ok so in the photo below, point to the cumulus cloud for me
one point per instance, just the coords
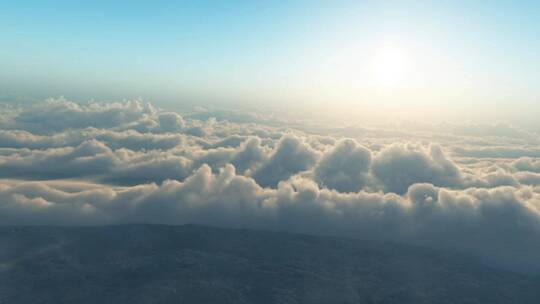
(400, 166)
(344, 168)
(129, 139)
(497, 224)
(527, 164)
(170, 122)
(111, 163)
(90, 157)
(291, 156)
(61, 114)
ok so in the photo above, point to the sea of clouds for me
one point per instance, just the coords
(469, 188)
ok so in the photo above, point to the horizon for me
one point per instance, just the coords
(453, 62)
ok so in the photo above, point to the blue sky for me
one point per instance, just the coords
(271, 52)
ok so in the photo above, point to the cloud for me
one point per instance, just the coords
(170, 122)
(528, 178)
(344, 168)
(496, 224)
(60, 114)
(497, 152)
(63, 163)
(89, 158)
(129, 139)
(291, 156)
(482, 130)
(399, 166)
(527, 164)
(150, 169)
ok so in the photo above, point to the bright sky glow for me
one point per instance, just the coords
(404, 56)
(391, 66)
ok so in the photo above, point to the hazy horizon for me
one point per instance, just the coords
(458, 61)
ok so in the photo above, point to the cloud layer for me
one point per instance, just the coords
(102, 163)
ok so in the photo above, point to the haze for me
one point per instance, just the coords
(458, 61)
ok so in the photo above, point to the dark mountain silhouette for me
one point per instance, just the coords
(197, 264)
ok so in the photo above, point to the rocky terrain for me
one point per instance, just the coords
(196, 264)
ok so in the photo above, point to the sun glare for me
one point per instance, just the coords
(390, 66)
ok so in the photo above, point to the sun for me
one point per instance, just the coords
(390, 66)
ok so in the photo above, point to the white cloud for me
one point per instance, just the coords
(291, 156)
(479, 221)
(400, 166)
(527, 164)
(344, 168)
(498, 152)
(70, 164)
(60, 114)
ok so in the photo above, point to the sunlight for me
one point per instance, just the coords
(391, 66)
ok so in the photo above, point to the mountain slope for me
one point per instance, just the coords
(195, 264)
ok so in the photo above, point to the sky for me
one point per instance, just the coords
(415, 59)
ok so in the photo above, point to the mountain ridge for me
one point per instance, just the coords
(143, 263)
